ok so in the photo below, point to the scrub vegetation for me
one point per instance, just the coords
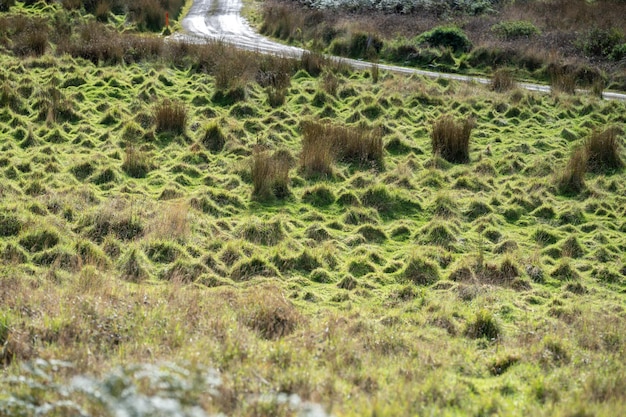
(581, 41)
(194, 230)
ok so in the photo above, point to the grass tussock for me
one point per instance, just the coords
(603, 151)
(170, 116)
(502, 80)
(324, 143)
(572, 179)
(450, 138)
(270, 175)
(267, 311)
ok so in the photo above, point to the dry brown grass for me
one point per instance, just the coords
(269, 313)
(450, 138)
(170, 116)
(324, 143)
(572, 179)
(270, 175)
(502, 80)
(603, 151)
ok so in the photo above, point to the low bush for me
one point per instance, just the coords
(446, 37)
(514, 29)
(40, 240)
(450, 139)
(358, 45)
(598, 42)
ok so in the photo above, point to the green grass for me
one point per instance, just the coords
(382, 281)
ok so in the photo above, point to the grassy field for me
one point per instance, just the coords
(194, 230)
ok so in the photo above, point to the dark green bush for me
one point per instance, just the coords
(600, 42)
(514, 29)
(446, 37)
(360, 45)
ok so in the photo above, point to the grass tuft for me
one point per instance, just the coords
(170, 116)
(603, 151)
(450, 139)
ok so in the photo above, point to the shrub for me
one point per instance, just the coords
(600, 42)
(359, 45)
(572, 179)
(446, 37)
(170, 116)
(450, 139)
(270, 175)
(603, 151)
(514, 29)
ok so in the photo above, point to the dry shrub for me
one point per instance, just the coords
(313, 63)
(324, 143)
(572, 180)
(170, 116)
(270, 175)
(450, 139)
(502, 81)
(269, 313)
(603, 151)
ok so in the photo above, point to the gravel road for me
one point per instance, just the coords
(222, 20)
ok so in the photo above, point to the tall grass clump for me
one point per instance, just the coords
(502, 80)
(170, 116)
(450, 138)
(572, 179)
(603, 151)
(136, 162)
(270, 175)
(324, 143)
